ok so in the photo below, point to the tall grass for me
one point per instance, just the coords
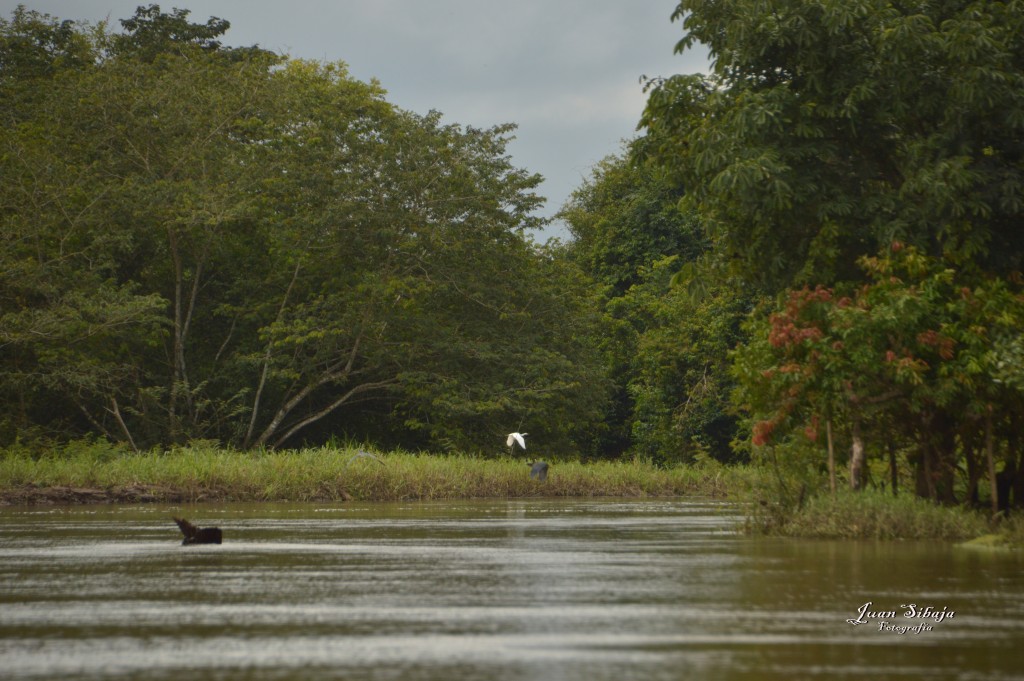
(869, 514)
(207, 472)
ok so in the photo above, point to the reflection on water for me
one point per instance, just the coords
(487, 590)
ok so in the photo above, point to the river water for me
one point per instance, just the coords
(497, 590)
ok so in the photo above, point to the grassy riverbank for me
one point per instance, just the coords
(873, 514)
(98, 472)
(869, 515)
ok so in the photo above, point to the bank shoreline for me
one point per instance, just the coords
(194, 474)
(63, 495)
(99, 473)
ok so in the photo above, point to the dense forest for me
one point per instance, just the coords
(809, 257)
(203, 242)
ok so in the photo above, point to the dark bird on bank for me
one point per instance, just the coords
(198, 535)
(363, 454)
(538, 470)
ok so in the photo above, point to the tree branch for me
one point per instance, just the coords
(316, 416)
(266, 360)
(124, 427)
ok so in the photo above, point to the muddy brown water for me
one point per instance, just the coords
(498, 590)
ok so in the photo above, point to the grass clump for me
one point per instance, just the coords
(869, 514)
(1010, 532)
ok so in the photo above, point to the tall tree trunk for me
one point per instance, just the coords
(975, 469)
(893, 472)
(177, 349)
(831, 457)
(990, 456)
(857, 456)
(1010, 480)
(1016, 464)
(116, 411)
(945, 464)
(183, 312)
(929, 476)
(266, 362)
(924, 478)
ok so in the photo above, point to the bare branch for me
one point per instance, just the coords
(266, 359)
(316, 416)
(124, 427)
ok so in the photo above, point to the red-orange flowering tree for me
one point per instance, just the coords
(911, 359)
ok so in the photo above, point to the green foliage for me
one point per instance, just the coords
(34, 47)
(204, 242)
(666, 351)
(906, 359)
(680, 383)
(826, 133)
(870, 515)
(151, 33)
(624, 219)
(826, 130)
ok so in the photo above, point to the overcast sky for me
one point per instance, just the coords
(567, 72)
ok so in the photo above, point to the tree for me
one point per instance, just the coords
(203, 242)
(826, 130)
(906, 359)
(36, 46)
(625, 218)
(665, 351)
(622, 221)
(413, 279)
(70, 330)
(151, 33)
(680, 381)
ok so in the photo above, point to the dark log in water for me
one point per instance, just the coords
(198, 535)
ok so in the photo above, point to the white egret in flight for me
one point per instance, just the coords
(513, 438)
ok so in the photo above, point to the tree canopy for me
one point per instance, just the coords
(827, 129)
(861, 162)
(666, 351)
(209, 242)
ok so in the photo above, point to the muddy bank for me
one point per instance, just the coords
(31, 495)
